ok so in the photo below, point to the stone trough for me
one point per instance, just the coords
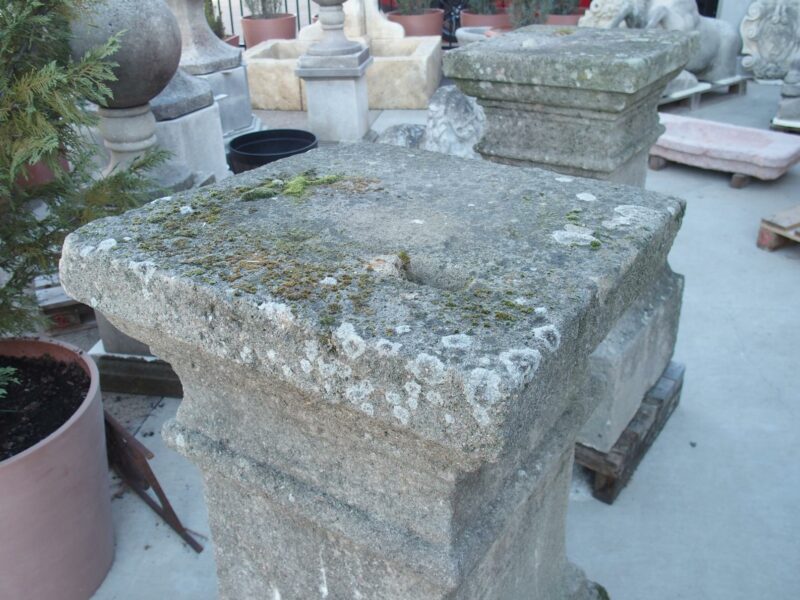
(743, 151)
(404, 74)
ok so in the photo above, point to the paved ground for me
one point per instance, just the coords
(712, 512)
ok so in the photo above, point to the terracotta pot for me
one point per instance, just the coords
(39, 174)
(429, 23)
(233, 40)
(277, 27)
(571, 20)
(501, 20)
(57, 539)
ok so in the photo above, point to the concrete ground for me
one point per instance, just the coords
(712, 511)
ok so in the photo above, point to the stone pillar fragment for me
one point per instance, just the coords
(577, 101)
(384, 380)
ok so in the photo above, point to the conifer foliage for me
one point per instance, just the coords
(44, 120)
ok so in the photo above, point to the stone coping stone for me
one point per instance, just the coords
(602, 60)
(440, 297)
(728, 148)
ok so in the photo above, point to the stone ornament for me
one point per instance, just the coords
(718, 42)
(203, 52)
(771, 35)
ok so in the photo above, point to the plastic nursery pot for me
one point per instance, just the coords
(274, 27)
(56, 536)
(428, 23)
(252, 150)
(501, 20)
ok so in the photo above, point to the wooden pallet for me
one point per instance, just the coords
(62, 311)
(779, 230)
(614, 469)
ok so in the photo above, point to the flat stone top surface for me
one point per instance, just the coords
(609, 60)
(424, 290)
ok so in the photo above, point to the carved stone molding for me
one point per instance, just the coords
(771, 37)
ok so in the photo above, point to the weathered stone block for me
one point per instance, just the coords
(384, 374)
(630, 360)
(578, 101)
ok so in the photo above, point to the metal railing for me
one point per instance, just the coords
(232, 11)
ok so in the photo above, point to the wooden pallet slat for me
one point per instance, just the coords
(614, 469)
(780, 229)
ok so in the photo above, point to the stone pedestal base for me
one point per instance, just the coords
(630, 360)
(196, 139)
(232, 94)
(336, 93)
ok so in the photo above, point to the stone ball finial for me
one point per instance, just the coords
(150, 47)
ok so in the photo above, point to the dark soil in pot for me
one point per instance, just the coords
(45, 395)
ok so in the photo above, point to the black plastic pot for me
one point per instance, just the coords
(261, 147)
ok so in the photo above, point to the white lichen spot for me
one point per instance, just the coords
(564, 179)
(401, 329)
(521, 363)
(413, 390)
(305, 365)
(387, 348)
(86, 251)
(323, 584)
(434, 397)
(276, 593)
(106, 244)
(162, 199)
(548, 335)
(272, 356)
(312, 349)
(586, 197)
(574, 238)
(427, 368)
(630, 214)
(186, 210)
(417, 221)
(448, 418)
(351, 343)
(484, 361)
(328, 281)
(393, 398)
(481, 415)
(287, 371)
(277, 312)
(127, 238)
(521, 301)
(367, 409)
(145, 269)
(93, 302)
(540, 310)
(401, 414)
(471, 205)
(246, 353)
(359, 392)
(459, 341)
(388, 265)
(483, 385)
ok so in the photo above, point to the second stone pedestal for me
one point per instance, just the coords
(336, 93)
(574, 100)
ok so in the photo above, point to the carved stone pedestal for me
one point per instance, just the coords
(384, 379)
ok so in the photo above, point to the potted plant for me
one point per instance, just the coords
(214, 20)
(266, 22)
(564, 12)
(486, 13)
(55, 515)
(418, 18)
(529, 12)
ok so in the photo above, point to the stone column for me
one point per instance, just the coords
(336, 87)
(384, 381)
(577, 101)
(206, 56)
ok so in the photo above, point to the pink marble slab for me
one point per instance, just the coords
(729, 148)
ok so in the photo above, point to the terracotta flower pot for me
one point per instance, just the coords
(571, 20)
(39, 173)
(56, 536)
(429, 23)
(501, 20)
(275, 27)
(233, 40)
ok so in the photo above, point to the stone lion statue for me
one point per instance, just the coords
(718, 42)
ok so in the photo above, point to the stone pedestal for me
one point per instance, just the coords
(219, 64)
(383, 381)
(577, 101)
(336, 95)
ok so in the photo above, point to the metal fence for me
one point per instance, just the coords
(232, 11)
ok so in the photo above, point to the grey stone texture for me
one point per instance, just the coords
(575, 100)
(630, 360)
(233, 92)
(183, 95)
(150, 47)
(407, 135)
(385, 372)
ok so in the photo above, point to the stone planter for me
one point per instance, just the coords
(261, 29)
(55, 508)
(571, 20)
(496, 21)
(429, 23)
